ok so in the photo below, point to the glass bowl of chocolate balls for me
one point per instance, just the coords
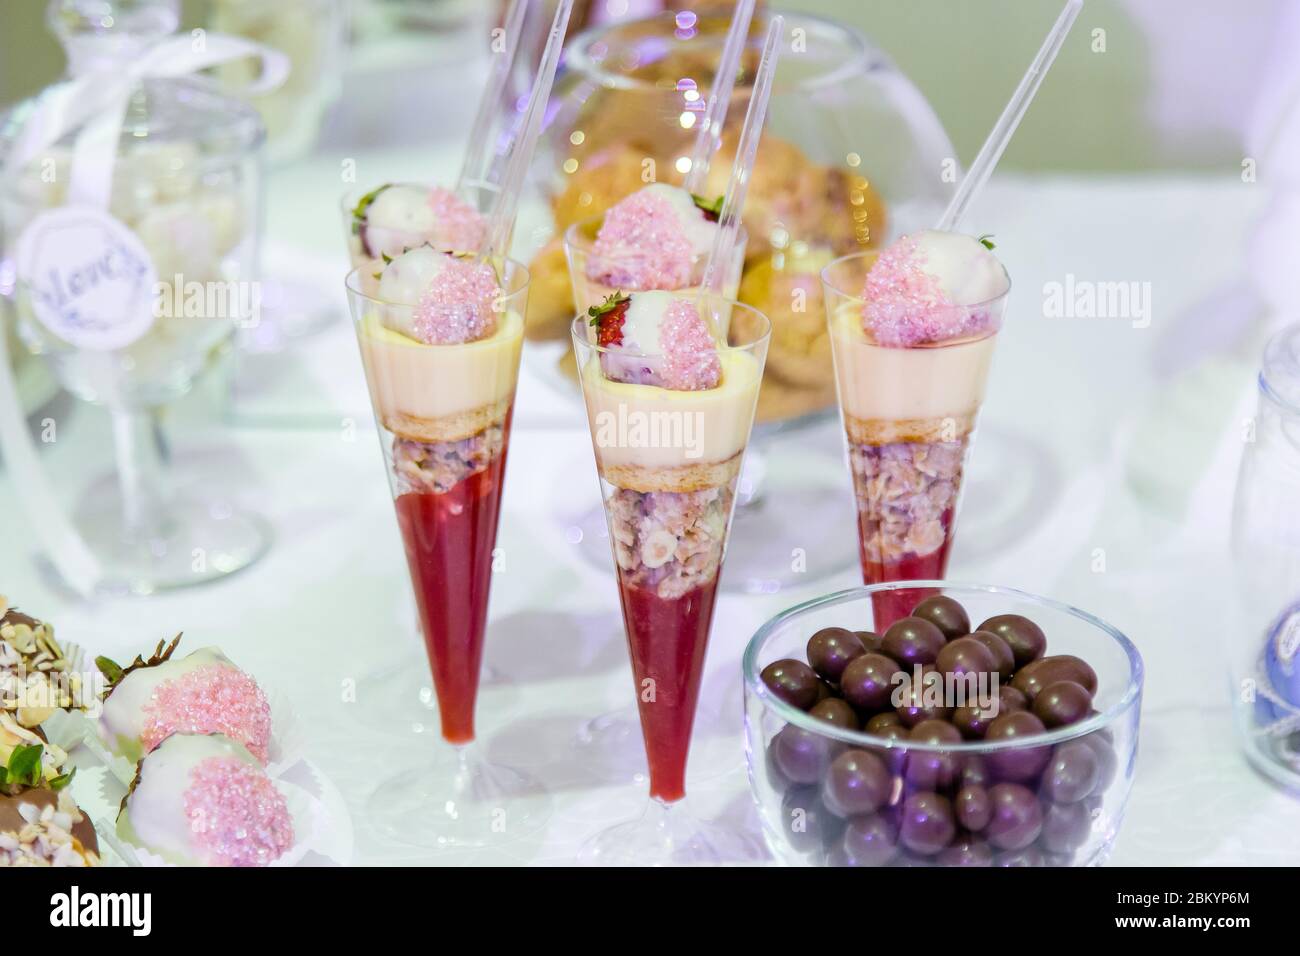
(991, 727)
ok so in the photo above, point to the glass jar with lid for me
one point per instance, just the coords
(1265, 658)
(185, 184)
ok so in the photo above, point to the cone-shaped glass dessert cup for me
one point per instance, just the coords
(669, 462)
(400, 695)
(597, 275)
(909, 420)
(602, 741)
(443, 414)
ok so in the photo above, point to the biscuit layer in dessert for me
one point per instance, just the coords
(683, 478)
(888, 431)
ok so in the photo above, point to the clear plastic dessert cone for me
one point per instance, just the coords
(443, 413)
(669, 462)
(909, 415)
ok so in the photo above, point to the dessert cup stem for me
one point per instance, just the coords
(141, 474)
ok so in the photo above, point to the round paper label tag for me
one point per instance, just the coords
(90, 280)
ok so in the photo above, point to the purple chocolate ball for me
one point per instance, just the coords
(1017, 817)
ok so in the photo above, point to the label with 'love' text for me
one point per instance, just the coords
(89, 279)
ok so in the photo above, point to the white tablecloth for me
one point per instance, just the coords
(1096, 435)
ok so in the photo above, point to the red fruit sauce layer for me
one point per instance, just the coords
(449, 537)
(667, 638)
(890, 606)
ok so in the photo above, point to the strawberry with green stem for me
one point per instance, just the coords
(608, 318)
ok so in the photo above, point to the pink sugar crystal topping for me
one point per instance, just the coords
(458, 305)
(237, 816)
(906, 305)
(690, 354)
(213, 699)
(641, 245)
(460, 226)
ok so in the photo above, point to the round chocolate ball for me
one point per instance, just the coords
(923, 699)
(927, 824)
(870, 639)
(1025, 638)
(868, 681)
(836, 712)
(1107, 761)
(1029, 856)
(945, 614)
(869, 841)
(974, 807)
(857, 782)
(1072, 773)
(1021, 763)
(931, 770)
(1062, 703)
(1011, 700)
(965, 656)
(792, 681)
(974, 772)
(971, 721)
(966, 850)
(831, 649)
(912, 641)
(801, 755)
(1036, 675)
(1003, 659)
(1065, 827)
(806, 823)
(1017, 818)
(887, 725)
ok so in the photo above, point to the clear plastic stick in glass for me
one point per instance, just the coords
(912, 333)
(670, 402)
(440, 339)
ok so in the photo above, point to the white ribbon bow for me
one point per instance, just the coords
(95, 102)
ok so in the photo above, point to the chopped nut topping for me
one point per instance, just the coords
(667, 541)
(440, 466)
(905, 494)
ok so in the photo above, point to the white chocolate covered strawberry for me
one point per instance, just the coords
(931, 287)
(397, 217)
(451, 299)
(656, 338)
(653, 239)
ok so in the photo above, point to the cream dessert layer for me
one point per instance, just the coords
(648, 438)
(923, 393)
(439, 393)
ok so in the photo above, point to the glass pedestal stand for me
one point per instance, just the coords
(149, 538)
(459, 800)
(667, 835)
